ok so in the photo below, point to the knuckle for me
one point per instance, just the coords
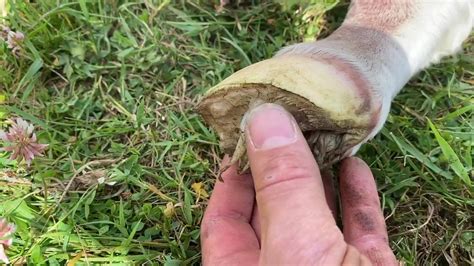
(367, 221)
(206, 228)
(375, 247)
(213, 221)
(358, 196)
(380, 255)
(209, 224)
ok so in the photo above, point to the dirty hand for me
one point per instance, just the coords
(281, 214)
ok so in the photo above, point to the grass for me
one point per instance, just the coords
(111, 87)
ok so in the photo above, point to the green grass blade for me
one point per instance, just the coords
(83, 5)
(29, 77)
(406, 147)
(236, 46)
(453, 158)
(459, 112)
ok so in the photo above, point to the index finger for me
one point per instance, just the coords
(226, 233)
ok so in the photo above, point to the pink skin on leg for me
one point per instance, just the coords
(375, 47)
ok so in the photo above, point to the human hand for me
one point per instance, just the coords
(281, 214)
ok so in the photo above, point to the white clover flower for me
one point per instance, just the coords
(21, 141)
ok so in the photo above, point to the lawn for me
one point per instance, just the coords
(111, 86)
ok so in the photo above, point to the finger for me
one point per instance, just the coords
(363, 220)
(364, 261)
(256, 222)
(330, 191)
(287, 181)
(226, 234)
(354, 257)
